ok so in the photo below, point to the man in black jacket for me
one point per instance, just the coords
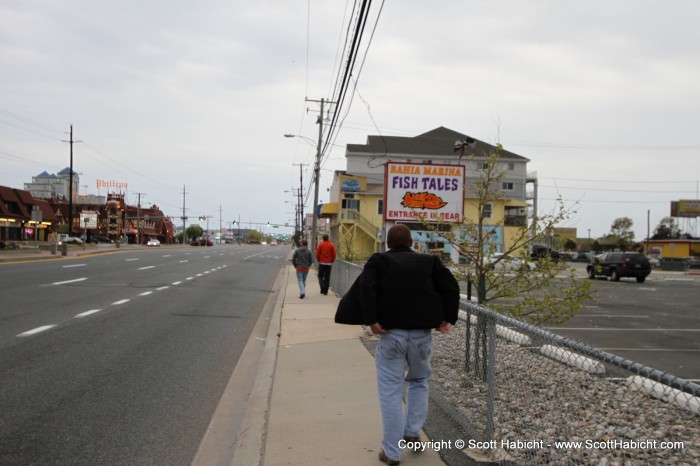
(403, 296)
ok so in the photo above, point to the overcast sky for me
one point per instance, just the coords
(602, 96)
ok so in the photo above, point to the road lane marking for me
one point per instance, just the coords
(189, 278)
(34, 331)
(133, 259)
(168, 255)
(145, 293)
(182, 262)
(122, 301)
(73, 265)
(87, 313)
(176, 283)
(612, 315)
(246, 258)
(70, 281)
(162, 288)
(147, 267)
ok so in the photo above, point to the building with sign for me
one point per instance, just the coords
(427, 174)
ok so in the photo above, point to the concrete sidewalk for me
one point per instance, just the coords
(324, 407)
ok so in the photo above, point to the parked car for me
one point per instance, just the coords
(153, 243)
(72, 240)
(617, 265)
(541, 252)
(201, 242)
(502, 261)
(100, 239)
(584, 256)
(693, 262)
(654, 262)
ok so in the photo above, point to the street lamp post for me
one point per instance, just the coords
(317, 172)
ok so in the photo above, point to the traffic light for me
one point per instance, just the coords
(234, 222)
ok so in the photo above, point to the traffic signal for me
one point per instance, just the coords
(234, 222)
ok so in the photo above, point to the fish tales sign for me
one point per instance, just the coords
(423, 192)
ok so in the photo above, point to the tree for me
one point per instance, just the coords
(621, 231)
(667, 229)
(254, 237)
(541, 291)
(194, 232)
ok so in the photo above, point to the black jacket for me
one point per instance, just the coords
(406, 290)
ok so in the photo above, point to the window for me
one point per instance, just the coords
(507, 185)
(487, 210)
(509, 166)
(380, 206)
(351, 204)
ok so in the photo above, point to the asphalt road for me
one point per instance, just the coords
(122, 358)
(656, 323)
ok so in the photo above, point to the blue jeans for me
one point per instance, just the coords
(301, 279)
(397, 351)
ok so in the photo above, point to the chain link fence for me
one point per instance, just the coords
(521, 394)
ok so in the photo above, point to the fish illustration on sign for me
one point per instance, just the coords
(424, 200)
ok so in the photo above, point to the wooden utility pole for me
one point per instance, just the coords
(70, 184)
(184, 217)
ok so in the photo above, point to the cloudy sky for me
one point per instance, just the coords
(602, 96)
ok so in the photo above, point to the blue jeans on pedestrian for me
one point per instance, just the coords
(301, 279)
(402, 355)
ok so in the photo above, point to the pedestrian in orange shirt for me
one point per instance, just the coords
(325, 255)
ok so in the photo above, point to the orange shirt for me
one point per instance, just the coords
(325, 252)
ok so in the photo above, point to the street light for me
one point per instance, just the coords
(317, 172)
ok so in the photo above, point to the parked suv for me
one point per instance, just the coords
(620, 264)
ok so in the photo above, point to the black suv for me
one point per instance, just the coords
(620, 264)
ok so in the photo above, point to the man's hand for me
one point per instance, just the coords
(445, 327)
(377, 328)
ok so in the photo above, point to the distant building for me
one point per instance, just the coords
(50, 186)
(357, 194)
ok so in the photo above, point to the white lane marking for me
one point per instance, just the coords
(122, 301)
(631, 329)
(199, 275)
(189, 278)
(168, 255)
(73, 265)
(612, 315)
(176, 283)
(184, 261)
(145, 293)
(133, 259)
(246, 258)
(162, 288)
(70, 281)
(147, 267)
(87, 313)
(34, 331)
(206, 257)
(659, 350)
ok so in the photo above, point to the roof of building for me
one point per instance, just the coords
(439, 141)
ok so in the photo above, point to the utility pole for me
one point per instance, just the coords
(184, 217)
(300, 199)
(138, 218)
(70, 184)
(220, 232)
(317, 171)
